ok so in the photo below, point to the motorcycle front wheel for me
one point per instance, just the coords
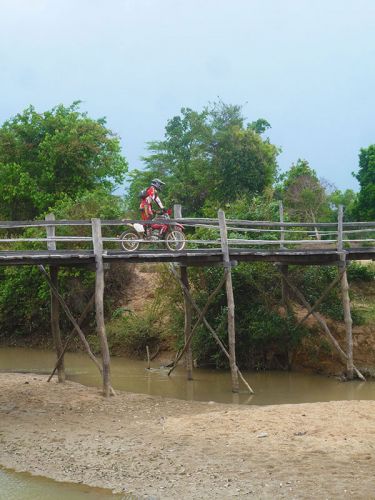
(175, 240)
(127, 241)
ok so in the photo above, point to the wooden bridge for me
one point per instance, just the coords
(95, 243)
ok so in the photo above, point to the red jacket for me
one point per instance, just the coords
(152, 195)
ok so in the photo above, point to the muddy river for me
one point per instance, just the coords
(132, 376)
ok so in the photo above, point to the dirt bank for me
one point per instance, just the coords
(163, 448)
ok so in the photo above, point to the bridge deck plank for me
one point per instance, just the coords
(187, 257)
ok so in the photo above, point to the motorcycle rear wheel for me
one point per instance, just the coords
(175, 240)
(127, 241)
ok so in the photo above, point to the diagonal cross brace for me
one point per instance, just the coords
(208, 326)
(322, 323)
(200, 319)
(75, 324)
(322, 297)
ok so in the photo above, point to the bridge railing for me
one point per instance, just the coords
(200, 233)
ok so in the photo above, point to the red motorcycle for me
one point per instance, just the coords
(171, 234)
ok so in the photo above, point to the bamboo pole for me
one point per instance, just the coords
(345, 296)
(55, 306)
(99, 303)
(187, 309)
(230, 302)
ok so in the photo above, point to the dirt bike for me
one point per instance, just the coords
(171, 234)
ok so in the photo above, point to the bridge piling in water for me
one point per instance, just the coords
(99, 303)
(55, 305)
(230, 301)
(187, 308)
(345, 295)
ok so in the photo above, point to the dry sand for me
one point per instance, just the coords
(170, 449)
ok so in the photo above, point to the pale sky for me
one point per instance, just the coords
(307, 66)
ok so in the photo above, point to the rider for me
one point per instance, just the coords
(151, 195)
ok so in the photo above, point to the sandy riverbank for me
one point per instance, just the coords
(170, 449)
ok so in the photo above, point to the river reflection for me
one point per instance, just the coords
(208, 385)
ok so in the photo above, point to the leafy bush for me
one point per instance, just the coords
(261, 328)
(358, 272)
(131, 333)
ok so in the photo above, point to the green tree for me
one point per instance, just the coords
(45, 157)
(365, 209)
(208, 159)
(304, 195)
(347, 199)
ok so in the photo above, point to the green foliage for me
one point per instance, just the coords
(160, 322)
(19, 315)
(131, 333)
(303, 194)
(207, 159)
(46, 157)
(313, 280)
(259, 207)
(359, 273)
(365, 208)
(261, 329)
(347, 199)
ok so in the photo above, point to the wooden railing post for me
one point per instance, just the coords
(340, 225)
(345, 295)
(282, 229)
(55, 306)
(99, 303)
(230, 301)
(177, 212)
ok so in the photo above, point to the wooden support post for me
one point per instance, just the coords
(187, 309)
(99, 303)
(345, 296)
(230, 301)
(55, 306)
